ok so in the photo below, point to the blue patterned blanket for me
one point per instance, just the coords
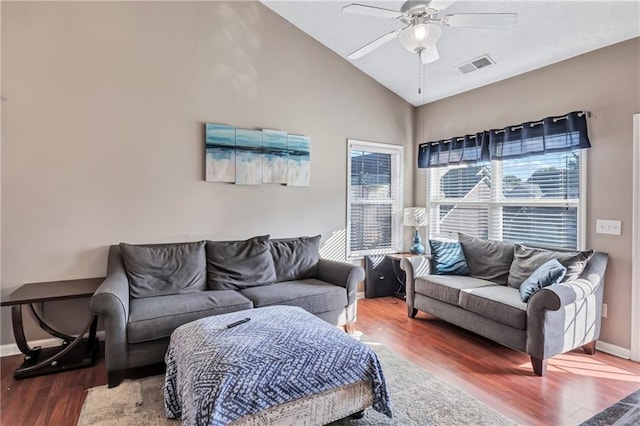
(216, 375)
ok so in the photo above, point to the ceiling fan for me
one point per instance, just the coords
(425, 19)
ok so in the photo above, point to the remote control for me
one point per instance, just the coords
(242, 321)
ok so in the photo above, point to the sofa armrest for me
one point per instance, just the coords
(565, 316)
(111, 302)
(413, 267)
(345, 275)
(556, 296)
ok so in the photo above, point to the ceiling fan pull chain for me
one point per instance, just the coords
(420, 79)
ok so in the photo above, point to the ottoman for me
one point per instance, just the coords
(283, 366)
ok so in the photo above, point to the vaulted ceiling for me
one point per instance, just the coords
(546, 32)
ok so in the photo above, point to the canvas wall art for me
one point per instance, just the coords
(220, 147)
(275, 153)
(298, 161)
(254, 157)
(248, 157)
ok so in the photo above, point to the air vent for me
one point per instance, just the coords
(475, 64)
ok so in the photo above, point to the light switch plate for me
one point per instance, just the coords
(611, 227)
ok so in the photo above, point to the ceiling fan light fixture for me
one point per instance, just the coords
(419, 37)
(420, 32)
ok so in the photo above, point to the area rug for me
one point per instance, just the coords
(625, 412)
(418, 398)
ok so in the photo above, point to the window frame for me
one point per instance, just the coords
(397, 203)
(495, 204)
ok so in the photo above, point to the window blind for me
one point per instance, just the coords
(532, 200)
(375, 199)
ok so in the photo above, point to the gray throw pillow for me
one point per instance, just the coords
(162, 269)
(488, 260)
(235, 265)
(527, 259)
(296, 258)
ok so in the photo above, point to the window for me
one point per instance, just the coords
(533, 200)
(374, 206)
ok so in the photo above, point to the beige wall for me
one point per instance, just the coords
(102, 135)
(605, 82)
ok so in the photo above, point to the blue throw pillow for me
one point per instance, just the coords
(549, 273)
(447, 258)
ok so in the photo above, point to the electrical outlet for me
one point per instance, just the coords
(604, 310)
(611, 227)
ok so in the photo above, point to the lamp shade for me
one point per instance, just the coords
(415, 216)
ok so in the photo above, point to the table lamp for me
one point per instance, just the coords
(416, 217)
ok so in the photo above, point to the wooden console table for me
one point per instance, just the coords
(75, 351)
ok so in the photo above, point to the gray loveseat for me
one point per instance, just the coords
(150, 290)
(487, 301)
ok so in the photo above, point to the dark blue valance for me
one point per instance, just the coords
(552, 134)
(465, 149)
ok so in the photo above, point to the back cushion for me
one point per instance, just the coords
(527, 259)
(235, 265)
(296, 258)
(162, 269)
(488, 260)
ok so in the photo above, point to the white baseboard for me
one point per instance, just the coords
(12, 349)
(613, 349)
(360, 295)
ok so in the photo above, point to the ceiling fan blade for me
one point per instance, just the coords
(441, 4)
(357, 54)
(481, 20)
(429, 55)
(361, 9)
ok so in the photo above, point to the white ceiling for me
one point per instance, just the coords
(547, 32)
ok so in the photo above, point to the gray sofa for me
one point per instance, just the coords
(150, 290)
(556, 319)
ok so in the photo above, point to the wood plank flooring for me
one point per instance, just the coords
(576, 387)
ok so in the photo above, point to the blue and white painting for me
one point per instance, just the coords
(298, 164)
(220, 146)
(274, 157)
(248, 157)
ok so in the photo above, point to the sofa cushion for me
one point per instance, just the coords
(499, 303)
(154, 318)
(162, 269)
(527, 259)
(446, 288)
(447, 258)
(312, 295)
(487, 259)
(234, 265)
(295, 258)
(549, 273)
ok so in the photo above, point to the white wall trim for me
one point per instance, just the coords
(582, 207)
(397, 195)
(613, 349)
(360, 295)
(12, 349)
(635, 250)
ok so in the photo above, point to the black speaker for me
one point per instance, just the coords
(383, 276)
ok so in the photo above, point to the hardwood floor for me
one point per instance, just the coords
(576, 387)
